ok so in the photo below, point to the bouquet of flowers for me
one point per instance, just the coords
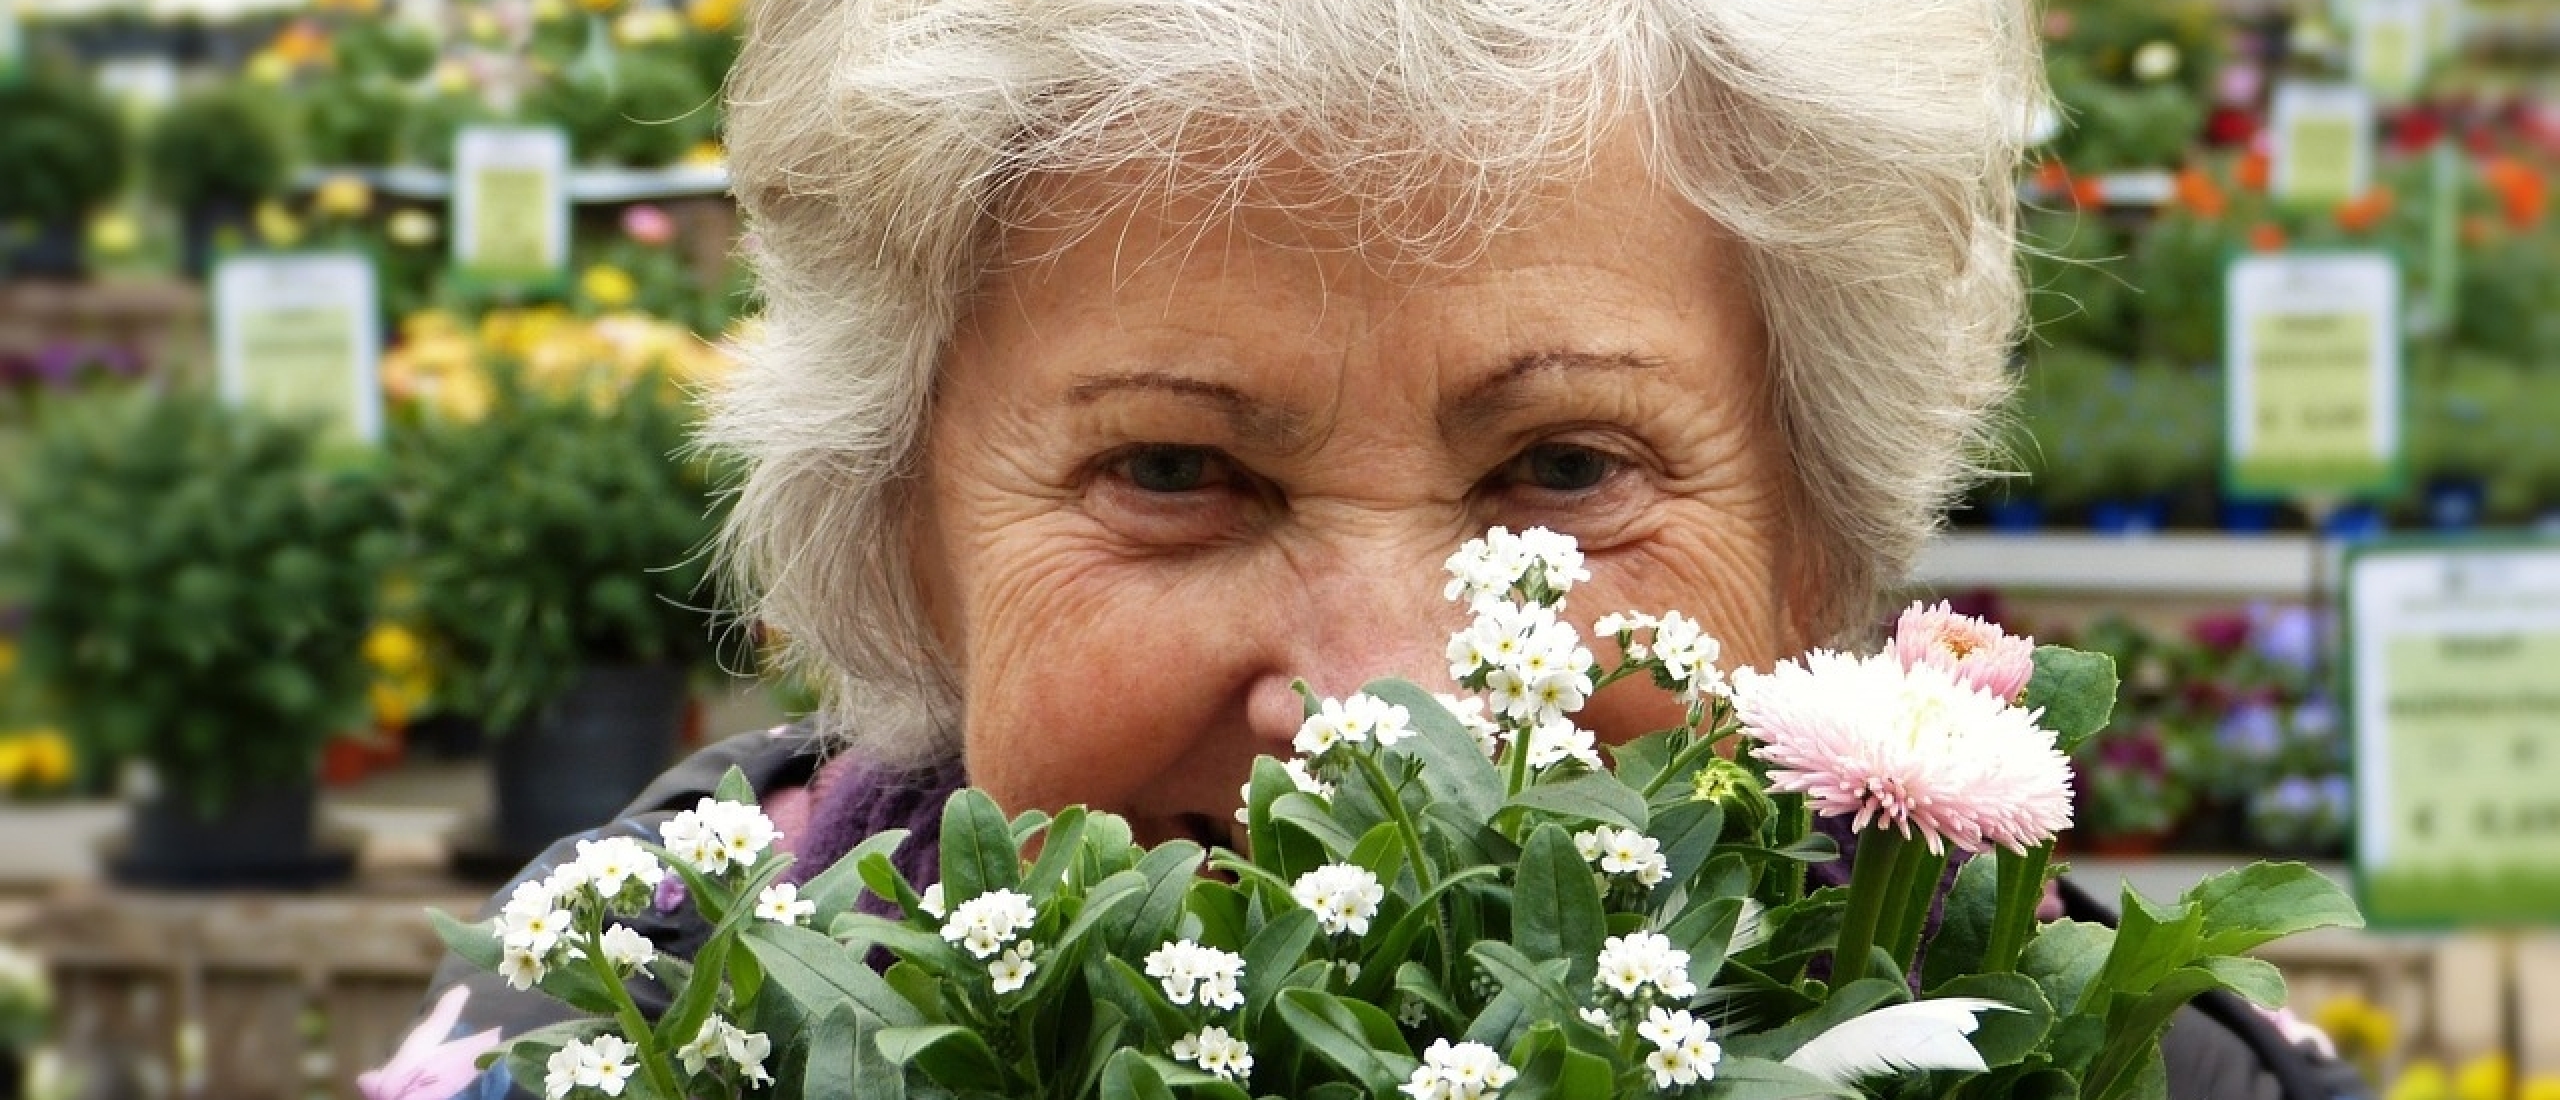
(1449, 898)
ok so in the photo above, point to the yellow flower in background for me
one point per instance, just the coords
(412, 229)
(2488, 1077)
(641, 27)
(481, 26)
(114, 233)
(2425, 1079)
(2540, 1087)
(2364, 1033)
(462, 398)
(391, 648)
(269, 68)
(706, 154)
(8, 656)
(607, 286)
(301, 44)
(451, 76)
(48, 758)
(601, 7)
(277, 226)
(344, 196)
(713, 16)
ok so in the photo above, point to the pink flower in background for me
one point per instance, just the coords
(429, 1065)
(1906, 748)
(1976, 652)
(648, 225)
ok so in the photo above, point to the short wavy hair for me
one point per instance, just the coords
(1862, 152)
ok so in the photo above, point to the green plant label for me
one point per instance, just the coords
(298, 334)
(2323, 143)
(510, 204)
(13, 43)
(2393, 40)
(2451, 688)
(2312, 346)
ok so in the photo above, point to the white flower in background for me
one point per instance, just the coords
(1187, 969)
(1355, 720)
(715, 835)
(532, 920)
(1013, 968)
(1624, 852)
(1469, 712)
(1387, 722)
(1459, 1071)
(1638, 961)
(1558, 553)
(1621, 623)
(984, 924)
(1412, 1013)
(1688, 655)
(1342, 896)
(521, 968)
(1599, 1019)
(720, 1039)
(1305, 779)
(781, 904)
(1684, 1048)
(628, 949)
(1215, 1051)
(1485, 568)
(1557, 740)
(602, 1063)
(931, 901)
(614, 862)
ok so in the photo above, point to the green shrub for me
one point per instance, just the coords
(224, 145)
(64, 146)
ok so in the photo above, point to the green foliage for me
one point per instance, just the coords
(201, 581)
(428, 131)
(2092, 428)
(227, 144)
(643, 108)
(353, 118)
(562, 530)
(2076, 289)
(65, 147)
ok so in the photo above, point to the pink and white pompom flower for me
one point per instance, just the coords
(1976, 652)
(1907, 748)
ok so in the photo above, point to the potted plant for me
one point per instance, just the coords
(65, 148)
(557, 559)
(199, 581)
(214, 157)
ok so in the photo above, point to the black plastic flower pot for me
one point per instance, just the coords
(576, 764)
(48, 251)
(207, 229)
(260, 839)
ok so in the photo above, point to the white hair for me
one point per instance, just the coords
(1861, 152)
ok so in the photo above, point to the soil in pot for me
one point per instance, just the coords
(581, 760)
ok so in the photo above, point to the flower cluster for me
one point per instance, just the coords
(1975, 652)
(1342, 896)
(990, 924)
(715, 836)
(537, 925)
(1215, 1051)
(1681, 652)
(602, 1063)
(1537, 560)
(1459, 1071)
(1188, 970)
(1353, 721)
(1531, 663)
(720, 1040)
(1684, 1048)
(1625, 852)
(1638, 962)
(1469, 711)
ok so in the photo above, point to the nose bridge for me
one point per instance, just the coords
(1376, 610)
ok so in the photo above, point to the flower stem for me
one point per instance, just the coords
(1871, 891)
(1412, 836)
(627, 1014)
(2013, 913)
(1916, 877)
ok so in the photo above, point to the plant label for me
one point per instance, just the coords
(2322, 138)
(2457, 777)
(299, 334)
(2311, 351)
(2394, 39)
(510, 212)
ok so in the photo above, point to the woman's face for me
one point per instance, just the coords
(1178, 460)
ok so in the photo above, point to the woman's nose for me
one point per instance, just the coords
(1365, 619)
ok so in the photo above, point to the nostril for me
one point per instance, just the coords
(1208, 831)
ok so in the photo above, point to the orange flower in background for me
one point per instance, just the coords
(2524, 194)
(2088, 192)
(713, 16)
(2201, 197)
(2266, 237)
(2253, 171)
(2366, 212)
(2052, 178)
(301, 44)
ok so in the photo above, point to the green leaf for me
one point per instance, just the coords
(1846, 1003)
(1380, 851)
(693, 1003)
(956, 1058)
(1539, 984)
(1307, 814)
(816, 971)
(477, 944)
(1763, 1079)
(1273, 953)
(2261, 902)
(1128, 1077)
(1168, 871)
(734, 787)
(837, 888)
(1555, 908)
(1416, 981)
(977, 848)
(1329, 1026)
(1058, 851)
(1706, 933)
(1637, 762)
(1966, 928)
(2004, 1038)
(1454, 767)
(1688, 833)
(883, 878)
(2065, 958)
(2256, 979)
(2150, 942)
(1594, 798)
(2076, 691)
(1381, 952)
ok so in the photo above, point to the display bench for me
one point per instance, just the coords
(155, 319)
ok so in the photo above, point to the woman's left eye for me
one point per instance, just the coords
(1561, 468)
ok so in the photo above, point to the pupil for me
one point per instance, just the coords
(1168, 470)
(1566, 468)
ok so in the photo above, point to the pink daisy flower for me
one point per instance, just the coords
(1906, 748)
(1976, 652)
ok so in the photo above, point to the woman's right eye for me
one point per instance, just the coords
(1174, 469)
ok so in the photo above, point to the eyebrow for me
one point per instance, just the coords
(1250, 417)
(1499, 392)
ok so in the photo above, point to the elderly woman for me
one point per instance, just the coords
(1124, 360)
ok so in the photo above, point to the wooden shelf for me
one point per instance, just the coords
(2165, 564)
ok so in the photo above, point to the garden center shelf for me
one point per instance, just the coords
(2272, 565)
(586, 185)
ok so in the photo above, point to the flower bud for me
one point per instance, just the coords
(1733, 786)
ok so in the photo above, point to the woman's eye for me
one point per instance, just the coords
(1562, 467)
(1166, 469)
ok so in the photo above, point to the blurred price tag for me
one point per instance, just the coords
(2456, 718)
(2323, 143)
(299, 334)
(2394, 39)
(511, 204)
(2312, 351)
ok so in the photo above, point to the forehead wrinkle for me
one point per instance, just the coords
(1499, 393)
(1252, 419)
